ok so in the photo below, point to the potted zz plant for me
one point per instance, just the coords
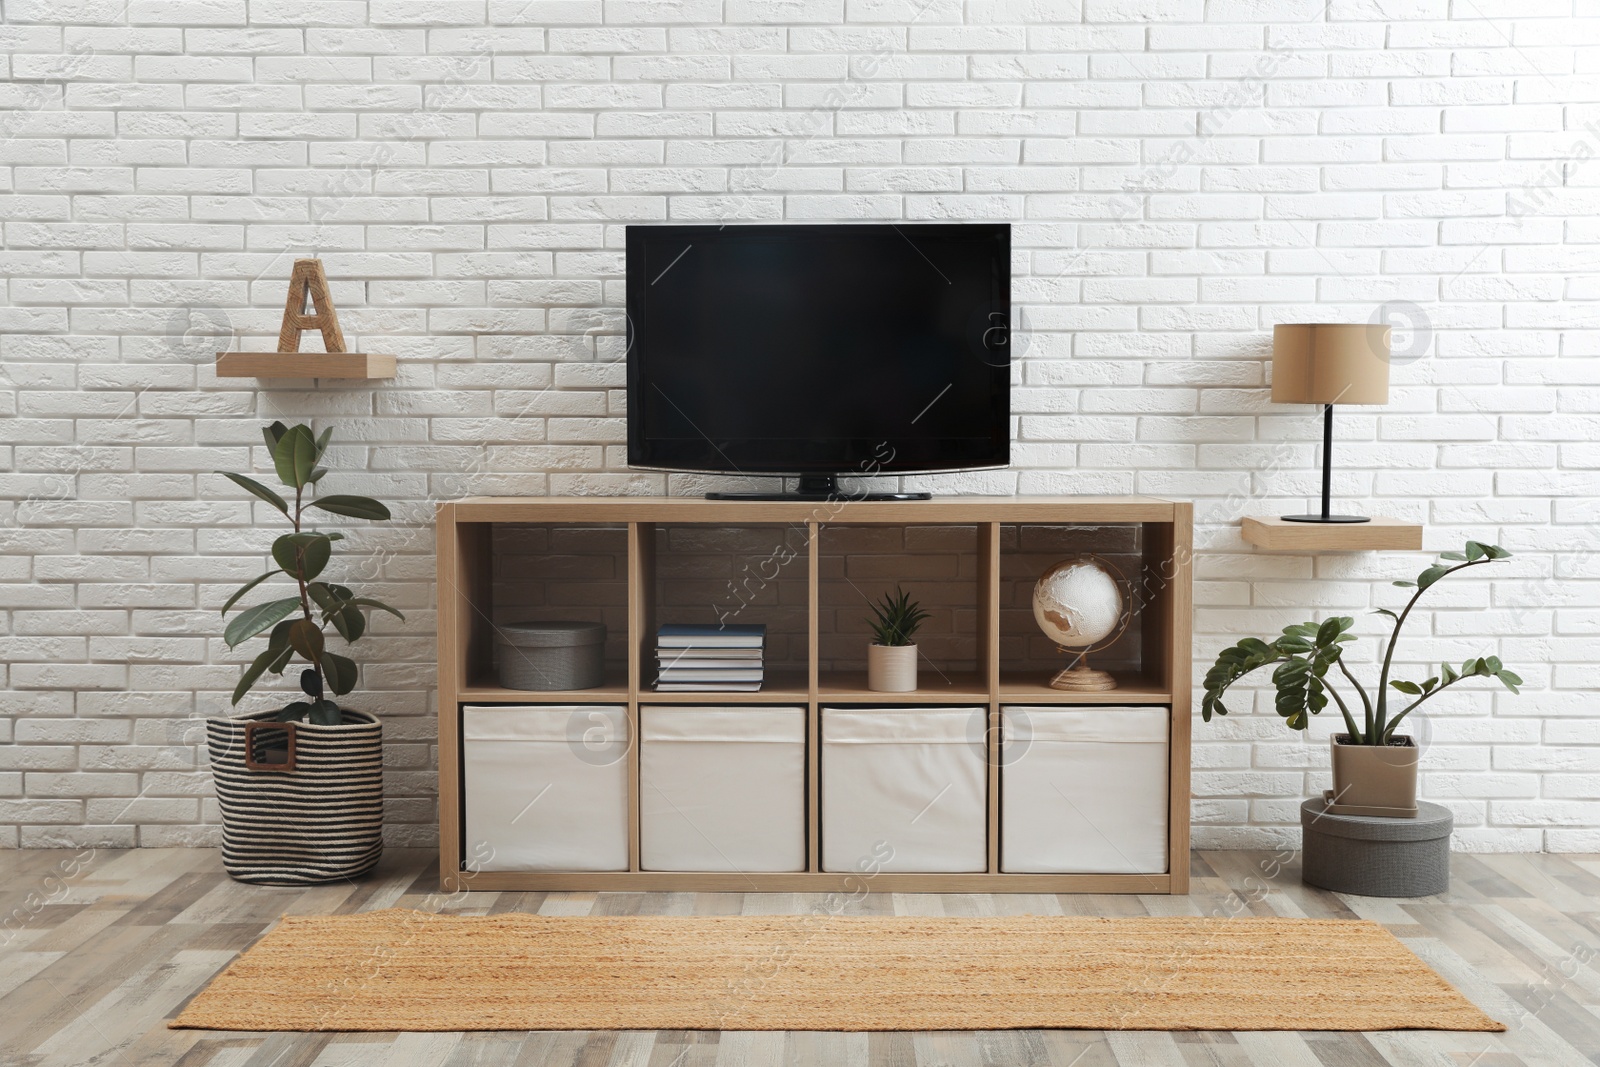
(1374, 768)
(301, 786)
(892, 657)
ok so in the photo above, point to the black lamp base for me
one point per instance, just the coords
(1324, 518)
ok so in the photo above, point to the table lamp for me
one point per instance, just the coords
(1328, 364)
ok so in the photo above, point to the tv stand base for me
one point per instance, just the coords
(819, 487)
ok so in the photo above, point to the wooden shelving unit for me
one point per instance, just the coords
(1161, 529)
(1280, 535)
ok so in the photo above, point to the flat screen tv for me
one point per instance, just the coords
(819, 350)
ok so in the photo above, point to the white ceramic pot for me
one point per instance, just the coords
(892, 668)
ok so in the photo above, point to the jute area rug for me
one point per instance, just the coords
(401, 970)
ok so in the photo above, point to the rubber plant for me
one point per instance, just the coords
(297, 625)
(1306, 654)
(896, 619)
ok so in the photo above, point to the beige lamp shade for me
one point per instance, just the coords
(1330, 363)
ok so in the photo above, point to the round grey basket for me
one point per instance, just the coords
(1376, 857)
(551, 655)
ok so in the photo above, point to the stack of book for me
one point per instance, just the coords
(720, 659)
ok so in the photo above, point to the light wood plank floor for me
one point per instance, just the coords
(99, 949)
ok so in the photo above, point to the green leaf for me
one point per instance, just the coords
(896, 618)
(252, 621)
(279, 638)
(1431, 575)
(355, 507)
(341, 672)
(272, 660)
(325, 713)
(1493, 664)
(273, 434)
(349, 621)
(295, 455)
(322, 441)
(294, 712)
(286, 554)
(252, 486)
(1404, 585)
(1300, 693)
(1496, 552)
(368, 602)
(1386, 611)
(316, 475)
(324, 597)
(1408, 687)
(305, 637)
(1475, 551)
(1237, 661)
(1427, 687)
(1509, 680)
(303, 555)
(1330, 630)
(1448, 673)
(251, 584)
(1452, 556)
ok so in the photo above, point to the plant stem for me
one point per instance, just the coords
(1413, 705)
(1380, 727)
(305, 595)
(1349, 723)
(1366, 701)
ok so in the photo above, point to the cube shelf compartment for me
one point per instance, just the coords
(807, 570)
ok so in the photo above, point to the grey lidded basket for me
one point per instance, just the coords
(1371, 856)
(551, 655)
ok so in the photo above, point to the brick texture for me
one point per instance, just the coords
(1180, 175)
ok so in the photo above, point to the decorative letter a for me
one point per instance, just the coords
(309, 278)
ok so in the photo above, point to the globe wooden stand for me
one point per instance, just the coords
(1083, 680)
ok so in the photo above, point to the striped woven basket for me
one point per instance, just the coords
(321, 820)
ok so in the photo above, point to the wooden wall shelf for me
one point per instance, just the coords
(356, 365)
(629, 533)
(1279, 535)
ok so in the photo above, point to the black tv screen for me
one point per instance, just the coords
(841, 349)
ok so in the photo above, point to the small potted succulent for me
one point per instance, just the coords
(1374, 768)
(301, 786)
(892, 657)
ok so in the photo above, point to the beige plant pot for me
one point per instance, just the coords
(1376, 776)
(892, 668)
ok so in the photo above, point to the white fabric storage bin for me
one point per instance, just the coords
(545, 787)
(903, 790)
(722, 789)
(1083, 790)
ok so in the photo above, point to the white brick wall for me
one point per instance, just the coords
(1181, 174)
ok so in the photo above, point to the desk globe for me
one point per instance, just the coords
(1079, 605)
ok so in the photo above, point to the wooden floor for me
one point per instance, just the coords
(99, 949)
